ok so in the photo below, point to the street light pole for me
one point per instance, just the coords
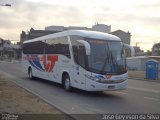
(7, 5)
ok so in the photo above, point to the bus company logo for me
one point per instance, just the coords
(103, 76)
(34, 60)
(108, 76)
(49, 62)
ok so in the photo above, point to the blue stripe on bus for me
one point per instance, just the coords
(37, 64)
(34, 65)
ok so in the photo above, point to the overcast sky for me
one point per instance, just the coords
(140, 17)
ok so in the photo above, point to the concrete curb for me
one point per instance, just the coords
(12, 61)
(36, 94)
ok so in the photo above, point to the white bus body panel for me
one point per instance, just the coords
(79, 77)
(92, 85)
(63, 64)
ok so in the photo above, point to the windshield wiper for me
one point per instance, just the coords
(112, 62)
(119, 68)
(107, 59)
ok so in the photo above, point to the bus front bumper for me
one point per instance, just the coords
(96, 86)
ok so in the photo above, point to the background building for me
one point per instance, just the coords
(101, 28)
(34, 34)
(156, 49)
(139, 62)
(9, 50)
(97, 27)
(55, 28)
(124, 36)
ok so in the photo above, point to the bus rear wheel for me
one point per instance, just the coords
(30, 74)
(67, 83)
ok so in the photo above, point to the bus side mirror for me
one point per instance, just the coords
(87, 46)
(131, 49)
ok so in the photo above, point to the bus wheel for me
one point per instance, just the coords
(30, 75)
(66, 83)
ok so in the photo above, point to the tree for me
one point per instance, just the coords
(149, 53)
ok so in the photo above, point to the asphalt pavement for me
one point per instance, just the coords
(139, 97)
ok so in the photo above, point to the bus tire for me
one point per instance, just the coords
(30, 74)
(67, 83)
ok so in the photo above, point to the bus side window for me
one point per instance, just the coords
(62, 46)
(36, 47)
(81, 55)
(75, 53)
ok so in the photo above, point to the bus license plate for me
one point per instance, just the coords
(111, 87)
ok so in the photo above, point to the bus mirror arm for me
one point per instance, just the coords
(132, 50)
(87, 46)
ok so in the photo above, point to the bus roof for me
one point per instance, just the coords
(83, 33)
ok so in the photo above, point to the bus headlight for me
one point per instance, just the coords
(92, 78)
(97, 79)
(100, 80)
(105, 81)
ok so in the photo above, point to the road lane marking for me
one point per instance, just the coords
(122, 93)
(150, 98)
(144, 89)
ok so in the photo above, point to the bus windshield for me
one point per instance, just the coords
(107, 57)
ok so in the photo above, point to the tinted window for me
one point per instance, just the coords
(50, 47)
(34, 47)
(58, 46)
(106, 56)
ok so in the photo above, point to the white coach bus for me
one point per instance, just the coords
(87, 60)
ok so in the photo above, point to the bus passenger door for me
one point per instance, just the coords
(79, 77)
(79, 67)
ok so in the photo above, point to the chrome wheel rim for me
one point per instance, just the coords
(67, 84)
(30, 74)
